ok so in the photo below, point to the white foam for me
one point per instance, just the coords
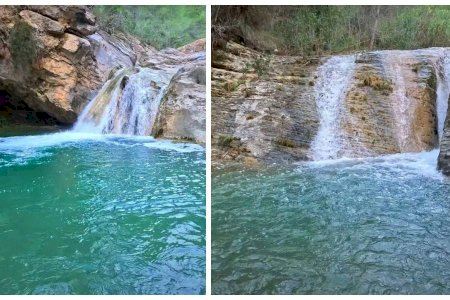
(420, 163)
(332, 83)
(171, 146)
(27, 145)
(46, 140)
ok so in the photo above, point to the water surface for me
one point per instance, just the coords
(349, 226)
(100, 214)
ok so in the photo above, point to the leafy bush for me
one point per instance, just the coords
(159, 26)
(316, 30)
(260, 65)
(23, 45)
(225, 140)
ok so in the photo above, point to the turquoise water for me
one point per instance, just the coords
(93, 214)
(368, 226)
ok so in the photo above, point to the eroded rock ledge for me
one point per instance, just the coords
(263, 106)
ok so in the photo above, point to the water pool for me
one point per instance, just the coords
(101, 214)
(350, 226)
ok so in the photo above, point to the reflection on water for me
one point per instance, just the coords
(91, 214)
(367, 226)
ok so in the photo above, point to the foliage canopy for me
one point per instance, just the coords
(159, 25)
(317, 29)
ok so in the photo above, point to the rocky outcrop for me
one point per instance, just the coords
(263, 107)
(390, 106)
(182, 112)
(67, 62)
(444, 148)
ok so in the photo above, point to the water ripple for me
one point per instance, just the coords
(101, 215)
(373, 226)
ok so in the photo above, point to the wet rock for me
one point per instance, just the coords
(182, 113)
(259, 101)
(444, 147)
(390, 106)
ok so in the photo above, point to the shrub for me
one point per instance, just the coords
(225, 140)
(261, 65)
(314, 30)
(376, 82)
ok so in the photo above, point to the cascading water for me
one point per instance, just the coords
(402, 104)
(333, 80)
(442, 90)
(127, 103)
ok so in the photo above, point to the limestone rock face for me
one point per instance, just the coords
(444, 151)
(182, 112)
(263, 106)
(65, 72)
(390, 106)
(196, 46)
(42, 23)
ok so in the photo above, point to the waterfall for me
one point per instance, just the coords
(333, 80)
(127, 103)
(392, 128)
(442, 90)
(402, 105)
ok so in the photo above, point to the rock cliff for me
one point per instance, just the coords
(262, 106)
(265, 106)
(47, 59)
(54, 59)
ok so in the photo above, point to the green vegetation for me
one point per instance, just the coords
(375, 81)
(159, 26)
(225, 140)
(316, 30)
(23, 45)
(260, 65)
